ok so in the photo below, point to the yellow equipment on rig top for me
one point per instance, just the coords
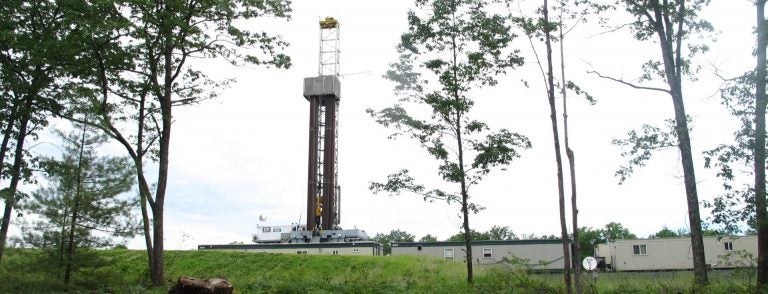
(329, 23)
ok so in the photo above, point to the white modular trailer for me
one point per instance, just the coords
(676, 253)
(274, 234)
(538, 254)
(369, 248)
(298, 234)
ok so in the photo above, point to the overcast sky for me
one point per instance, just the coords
(244, 155)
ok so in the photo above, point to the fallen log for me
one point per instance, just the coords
(187, 285)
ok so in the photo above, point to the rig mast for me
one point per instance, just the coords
(323, 94)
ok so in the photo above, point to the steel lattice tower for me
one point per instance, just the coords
(322, 92)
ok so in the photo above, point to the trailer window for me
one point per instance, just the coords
(266, 229)
(639, 249)
(448, 253)
(728, 246)
(276, 230)
(487, 253)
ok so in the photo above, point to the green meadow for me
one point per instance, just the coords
(124, 271)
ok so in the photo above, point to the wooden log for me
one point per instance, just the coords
(187, 285)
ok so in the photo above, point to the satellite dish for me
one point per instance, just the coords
(589, 263)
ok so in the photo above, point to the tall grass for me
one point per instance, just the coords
(124, 271)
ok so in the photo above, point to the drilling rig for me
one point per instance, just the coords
(323, 93)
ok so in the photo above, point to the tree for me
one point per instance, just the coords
(743, 207)
(550, 86)
(541, 28)
(35, 44)
(615, 231)
(759, 148)
(81, 208)
(393, 236)
(671, 24)
(494, 233)
(589, 239)
(533, 236)
(428, 238)
(461, 45)
(474, 235)
(576, 14)
(140, 71)
(665, 233)
(501, 233)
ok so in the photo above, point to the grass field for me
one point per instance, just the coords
(124, 271)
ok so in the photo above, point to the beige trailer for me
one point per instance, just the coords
(332, 248)
(675, 253)
(538, 254)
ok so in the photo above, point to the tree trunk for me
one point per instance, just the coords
(75, 210)
(759, 149)
(460, 147)
(558, 158)
(673, 73)
(10, 199)
(144, 192)
(62, 241)
(694, 218)
(464, 202)
(187, 285)
(8, 133)
(572, 168)
(157, 269)
(144, 198)
(467, 236)
(464, 192)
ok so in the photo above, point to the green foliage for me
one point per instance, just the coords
(135, 70)
(499, 280)
(706, 230)
(639, 147)
(474, 235)
(451, 48)
(31, 271)
(35, 46)
(494, 233)
(393, 236)
(675, 22)
(479, 41)
(501, 233)
(734, 208)
(589, 237)
(744, 262)
(428, 238)
(23, 272)
(665, 233)
(615, 231)
(82, 207)
(588, 240)
(674, 25)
